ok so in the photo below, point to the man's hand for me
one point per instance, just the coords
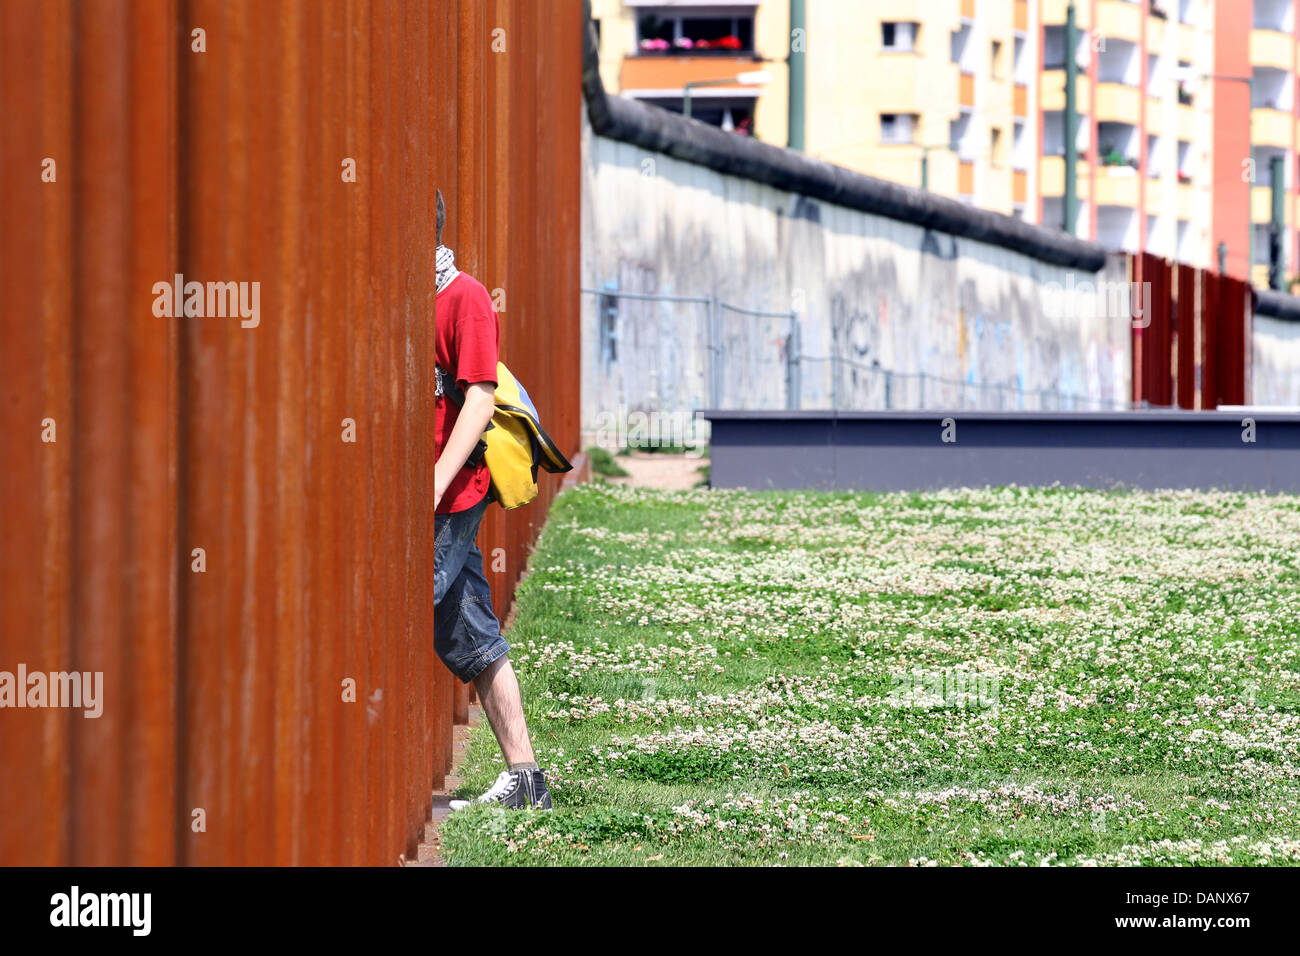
(474, 416)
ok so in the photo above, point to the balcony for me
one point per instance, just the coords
(1051, 91)
(668, 74)
(1115, 101)
(1120, 62)
(1271, 15)
(1270, 48)
(1020, 100)
(1118, 144)
(1261, 203)
(1117, 227)
(1053, 11)
(1051, 176)
(1118, 18)
(1020, 16)
(1156, 34)
(1117, 186)
(1270, 127)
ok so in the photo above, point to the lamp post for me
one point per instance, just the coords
(749, 78)
(1184, 73)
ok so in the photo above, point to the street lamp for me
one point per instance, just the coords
(1183, 73)
(749, 78)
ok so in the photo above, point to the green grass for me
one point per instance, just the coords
(604, 463)
(993, 677)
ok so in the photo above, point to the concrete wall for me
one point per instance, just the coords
(870, 289)
(1275, 356)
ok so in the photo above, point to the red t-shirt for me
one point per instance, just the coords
(468, 338)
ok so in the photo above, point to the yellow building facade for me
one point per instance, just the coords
(967, 98)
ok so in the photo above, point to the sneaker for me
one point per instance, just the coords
(515, 790)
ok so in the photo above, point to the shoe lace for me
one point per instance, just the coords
(505, 784)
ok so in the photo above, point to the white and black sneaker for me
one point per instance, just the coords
(514, 790)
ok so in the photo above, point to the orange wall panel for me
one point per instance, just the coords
(223, 689)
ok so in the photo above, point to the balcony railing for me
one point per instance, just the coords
(725, 46)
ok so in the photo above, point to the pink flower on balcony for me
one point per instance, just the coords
(683, 43)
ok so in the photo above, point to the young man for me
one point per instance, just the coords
(466, 634)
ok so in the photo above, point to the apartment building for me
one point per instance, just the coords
(1145, 133)
(728, 57)
(1182, 104)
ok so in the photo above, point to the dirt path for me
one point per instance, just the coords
(430, 851)
(653, 470)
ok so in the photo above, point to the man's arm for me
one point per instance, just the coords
(480, 402)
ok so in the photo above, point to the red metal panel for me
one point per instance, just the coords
(1216, 335)
(224, 687)
(1214, 287)
(1186, 312)
(35, 385)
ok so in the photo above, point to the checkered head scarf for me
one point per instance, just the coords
(445, 264)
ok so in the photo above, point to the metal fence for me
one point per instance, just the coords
(689, 352)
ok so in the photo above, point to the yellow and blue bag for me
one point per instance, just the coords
(514, 444)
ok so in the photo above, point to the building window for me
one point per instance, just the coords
(995, 59)
(1155, 158)
(959, 137)
(1020, 68)
(995, 146)
(961, 48)
(1184, 90)
(670, 31)
(898, 36)
(897, 127)
(1019, 146)
(1155, 76)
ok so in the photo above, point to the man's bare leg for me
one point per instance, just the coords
(498, 689)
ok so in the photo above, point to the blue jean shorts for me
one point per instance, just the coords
(466, 634)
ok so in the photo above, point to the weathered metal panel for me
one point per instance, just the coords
(224, 686)
(1213, 329)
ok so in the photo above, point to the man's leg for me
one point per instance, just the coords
(498, 689)
(468, 638)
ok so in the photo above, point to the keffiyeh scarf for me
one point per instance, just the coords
(445, 265)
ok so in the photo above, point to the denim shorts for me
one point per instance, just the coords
(466, 634)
